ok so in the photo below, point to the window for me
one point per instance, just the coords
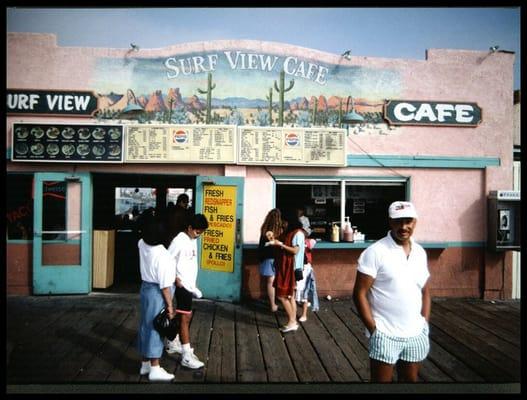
(365, 202)
(19, 206)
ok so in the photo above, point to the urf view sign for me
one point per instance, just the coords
(407, 112)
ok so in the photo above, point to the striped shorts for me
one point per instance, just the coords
(389, 349)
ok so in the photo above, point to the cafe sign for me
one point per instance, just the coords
(409, 112)
(72, 103)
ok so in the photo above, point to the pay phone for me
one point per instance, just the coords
(504, 220)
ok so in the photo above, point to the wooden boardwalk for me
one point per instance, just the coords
(91, 339)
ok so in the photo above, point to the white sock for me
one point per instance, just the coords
(145, 364)
(155, 367)
(186, 348)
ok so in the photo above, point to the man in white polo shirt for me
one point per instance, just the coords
(393, 299)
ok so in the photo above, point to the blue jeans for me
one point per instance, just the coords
(149, 343)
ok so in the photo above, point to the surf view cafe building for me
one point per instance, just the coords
(95, 136)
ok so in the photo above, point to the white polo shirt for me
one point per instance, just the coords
(185, 252)
(156, 264)
(396, 294)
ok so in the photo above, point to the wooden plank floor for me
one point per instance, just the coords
(91, 339)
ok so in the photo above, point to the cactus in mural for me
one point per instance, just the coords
(282, 91)
(170, 103)
(208, 92)
(270, 98)
(340, 112)
(314, 114)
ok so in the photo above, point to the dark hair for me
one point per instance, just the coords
(198, 221)
(291, 217)
(182, 196)
(153, 231)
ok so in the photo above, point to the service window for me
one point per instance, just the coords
(367, 206)
(365, 203)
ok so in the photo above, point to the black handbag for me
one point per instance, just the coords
(299, 275)
(165, 326)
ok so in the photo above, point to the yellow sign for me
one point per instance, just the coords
(218, 241)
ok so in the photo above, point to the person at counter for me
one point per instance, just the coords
(270, 229)
(306, 225)
(289, 259)
(393, 299)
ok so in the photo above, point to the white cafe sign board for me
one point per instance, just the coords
(230, 144)
(291, 146)
(181, 144)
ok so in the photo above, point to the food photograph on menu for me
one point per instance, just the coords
(67, 142)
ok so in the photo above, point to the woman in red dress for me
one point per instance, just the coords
(290, 252)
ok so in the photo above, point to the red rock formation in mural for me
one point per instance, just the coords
(194, 103)
(334, 102)
(156, 102)
(177, 100)
(322, 103)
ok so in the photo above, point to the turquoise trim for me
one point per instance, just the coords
(221, 285)
(334, 178)
(63, 279)
(363, 245)
(362, 160)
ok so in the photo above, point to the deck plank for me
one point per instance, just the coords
(249, 357)
(335, 363)
(347, 341)
(221, 363)
(279, 368)
(306, 362)
(92, 339)
(126, 368)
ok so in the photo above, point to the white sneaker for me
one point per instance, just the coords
(190, 360)
(158, 374)
(145, 368)
(173, 346)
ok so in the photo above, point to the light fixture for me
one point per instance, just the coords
(346, 55)
(351, 117)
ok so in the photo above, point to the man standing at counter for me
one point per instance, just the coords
(393, 299)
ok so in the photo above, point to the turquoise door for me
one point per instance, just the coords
(220, 198)
(62, 234)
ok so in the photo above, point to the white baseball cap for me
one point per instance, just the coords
(402, 209)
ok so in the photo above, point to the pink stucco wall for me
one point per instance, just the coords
(36, 62)
(451, 202)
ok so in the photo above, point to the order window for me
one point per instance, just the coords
(328, 202)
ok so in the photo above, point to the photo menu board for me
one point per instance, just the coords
(66, 142)
(320, 147)
(181, 144)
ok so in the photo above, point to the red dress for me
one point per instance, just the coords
(284, 281)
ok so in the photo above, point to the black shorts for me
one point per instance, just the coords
(183, 301)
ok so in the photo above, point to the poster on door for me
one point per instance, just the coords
(218, 241)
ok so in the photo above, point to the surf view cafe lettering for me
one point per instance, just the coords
(246, 61)
(401, 112)
(219, 206)
(51, 102)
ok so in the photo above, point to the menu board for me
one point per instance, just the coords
(181, 143)
(67, 142)
(292, 146)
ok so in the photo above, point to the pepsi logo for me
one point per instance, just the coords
(180, 137)
(291, 139)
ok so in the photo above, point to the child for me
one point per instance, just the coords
(306, 288)
(184, 250)
(157, 288)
